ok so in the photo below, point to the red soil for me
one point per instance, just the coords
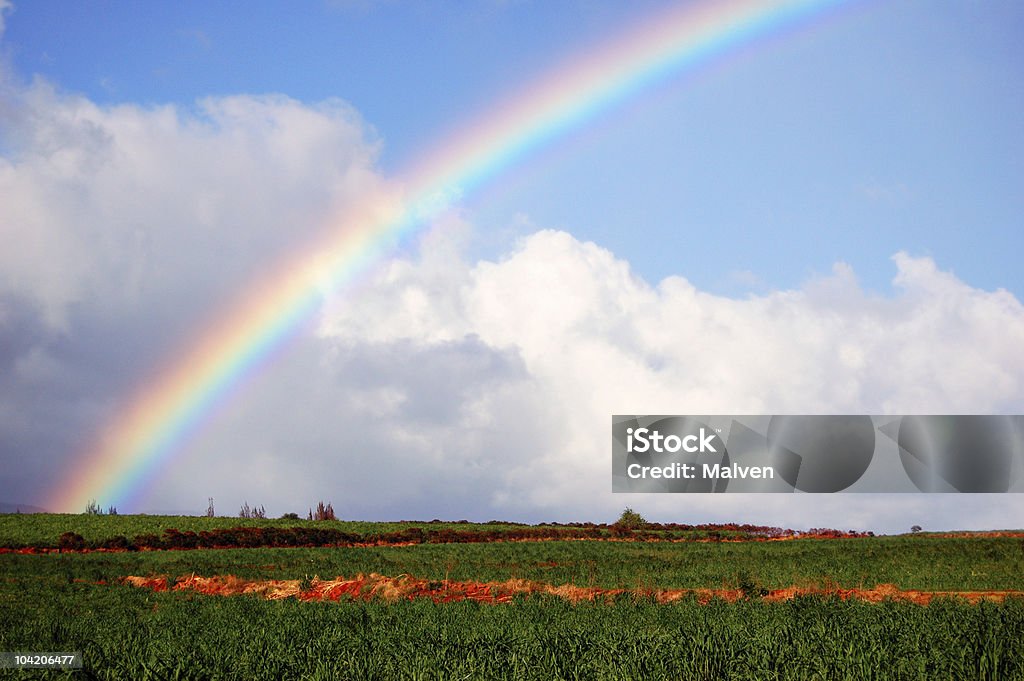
(404, 587)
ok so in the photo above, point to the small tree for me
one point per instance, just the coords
(112, 510)
(290, 516)
(324, 512)
(631, 520)
(916, 528)
(92, 508)
(209, 509)
(255, 512)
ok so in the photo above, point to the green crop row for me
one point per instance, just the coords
(128, 633)
(929, 563)
(45, 529)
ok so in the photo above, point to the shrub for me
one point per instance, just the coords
(324, 512)
(621, 531)
(119, 543)
(631, 520)
(176, 539)
(71, 541)
(290, 516)
(149, 541)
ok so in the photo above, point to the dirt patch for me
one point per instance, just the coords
(405, 587)
(883, 592)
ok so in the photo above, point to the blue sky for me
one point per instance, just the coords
(876, 128)
(826, 220)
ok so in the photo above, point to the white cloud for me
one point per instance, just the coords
(126, 228)
(120, 203)
(595, 340)
(438, 386)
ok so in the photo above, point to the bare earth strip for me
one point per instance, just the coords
(375, 586)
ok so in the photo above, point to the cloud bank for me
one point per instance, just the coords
(440, 385)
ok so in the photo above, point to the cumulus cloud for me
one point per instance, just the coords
(439, 385)
(126, 228)
(594, 339)
(126, 202)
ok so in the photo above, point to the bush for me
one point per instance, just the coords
(71, 541)
(176, 539)
(119, 543)
(290, 516)
(323, 512)
(631, 520)
(149, 541)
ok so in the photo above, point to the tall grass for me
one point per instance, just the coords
(133, 633)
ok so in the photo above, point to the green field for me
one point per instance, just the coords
(73, 601)
(909, 563)
(43, 529)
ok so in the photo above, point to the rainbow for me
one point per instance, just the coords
(159, 419)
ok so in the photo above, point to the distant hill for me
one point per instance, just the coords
(23, 508)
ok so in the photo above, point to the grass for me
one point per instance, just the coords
(73, 601)
(138, 634)
(43, 529)
(927, 563)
